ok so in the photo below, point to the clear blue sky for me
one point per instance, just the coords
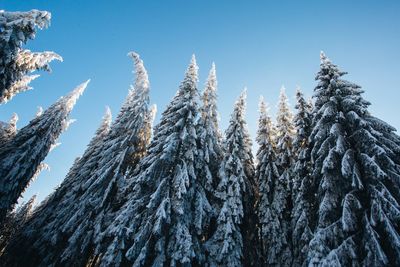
(258, 44)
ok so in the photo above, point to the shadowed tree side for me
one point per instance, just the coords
(356, 169)
(21, 158)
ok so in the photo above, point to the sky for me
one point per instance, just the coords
(258, 44)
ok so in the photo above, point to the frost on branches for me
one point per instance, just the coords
(44, 224)
(83, 212)
(160, 224)
(14, 221)
(235, 190)
(356, 162)
(302, 195)
(15, 63)
(267, 176)
(210, 149)
(21, 157)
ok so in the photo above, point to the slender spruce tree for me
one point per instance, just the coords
(267, 176)
(210, 149)
(21, 158)
(279, 250)
(236, 191)
(302, 169)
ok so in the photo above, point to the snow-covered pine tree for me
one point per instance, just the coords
(78, 215)
(267, 176)
(356, 165)
(210, 149)
(46, 217)
(279, 247)
(20, 158)
(159, 225)
(14, 221)
(236, 191)
(123, 148)
(303, 125)
(8, 130)
(302, 200)
(15, 64)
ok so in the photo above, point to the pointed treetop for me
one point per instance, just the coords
(242, 98)
(193, 60)
(283, 99)
(72, 97)
(142, 80)
(263, 107)
(212, 79)
(107, 118)
(240, 105)
(39, 111)
(193, 68)
(191, 76)
(324, 58)
(13, 120)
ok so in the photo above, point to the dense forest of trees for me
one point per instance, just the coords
(323, 188)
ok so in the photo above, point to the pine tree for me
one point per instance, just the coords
(14, 222)
(20, 159)
(210, 148)
(279, 235)
(303, 125)
(302, 169)
(125, 145)
(237, 193)
(46, 218)
(78, 215)
(160, 224)
(267, 176)
(356, 165)
(16, 29)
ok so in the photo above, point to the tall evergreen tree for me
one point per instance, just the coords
(302, 169)
(303, 126)
(124, 147)
(210, 134)
(279, 230)
(21, 158)
(267, 176)
(210, 149)
(161, 223)
(237, 193)
(356, 165)
(16, 29)
(81, 213)
(44, 223)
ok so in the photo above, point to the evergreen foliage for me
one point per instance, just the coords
(267, 176)
(302, 200)
(21, 157)
(356, 168)
(15, 64)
